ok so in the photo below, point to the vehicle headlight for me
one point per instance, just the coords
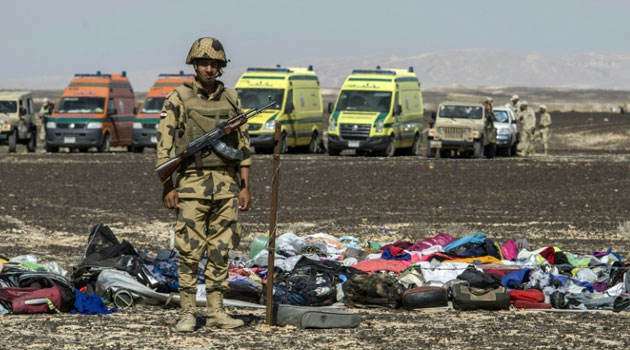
(51, 125)
(270, 125)
(95, 125)
(466, 131)
(441, 130)
(332, 126)
(137, 125)
(379, 126)
(503, 131)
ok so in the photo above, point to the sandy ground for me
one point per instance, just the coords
(577, 199)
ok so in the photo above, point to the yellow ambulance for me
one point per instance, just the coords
(298, 107)
(379, 112)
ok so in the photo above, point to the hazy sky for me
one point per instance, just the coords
(46, 38)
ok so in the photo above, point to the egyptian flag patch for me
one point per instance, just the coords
(163, 115)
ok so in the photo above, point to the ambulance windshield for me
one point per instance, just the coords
(354, 100)
(81, 105)
(153, 105)
(252, 98)
(469, 112)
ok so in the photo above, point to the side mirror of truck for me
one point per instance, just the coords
(398, 110)
(330, 107)
(112, 111)
(22, 111)
(289, 107)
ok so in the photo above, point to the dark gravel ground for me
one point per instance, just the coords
(577, 199)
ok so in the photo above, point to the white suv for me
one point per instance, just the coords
(507, 131)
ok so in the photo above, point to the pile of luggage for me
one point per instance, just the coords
(469, 273)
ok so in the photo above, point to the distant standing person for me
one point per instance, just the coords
(528, 119)
(44, 114)
(209, 190)
(545, 123)
(515, 106)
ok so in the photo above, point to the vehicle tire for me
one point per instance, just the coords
(263, 150)
(12, 141)
(490, 150)
(430, 152)
(333, 151)
(83, 149)
(362, 153)
(137, 149)
(313, 146)
(52, 149)
(477, 149)
(104, 146)
(390, 149)
(31, 146)
(445, 153)
(284, 144)
(415, 146)
(73, 150)
(514, 149)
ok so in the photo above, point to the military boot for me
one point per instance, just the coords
(187, 320)
(216, 315)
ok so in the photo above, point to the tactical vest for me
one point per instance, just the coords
(201, 115)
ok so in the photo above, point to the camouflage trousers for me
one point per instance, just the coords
(206, 226)
(544, 138)
(527, 142)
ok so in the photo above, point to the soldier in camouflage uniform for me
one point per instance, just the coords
(527, 117)
(44, 114)
(545, 123)
(206, 191)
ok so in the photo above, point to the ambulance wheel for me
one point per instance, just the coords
(31, 146)
(390, 149)
(284, 143)
(52, 149)
(263, 150)
(313, 146)
(104, 146)
(415, 146)
(12, 141)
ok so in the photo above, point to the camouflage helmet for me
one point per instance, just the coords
(206, 48)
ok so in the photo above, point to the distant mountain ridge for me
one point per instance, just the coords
(441, 69)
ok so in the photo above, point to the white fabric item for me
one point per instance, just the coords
(290, 243)
(438, 274)
(373, 256)
(333, 252)
(413, 277)
(284, 263)
(350, 262)
(586, 275)
(615, 290)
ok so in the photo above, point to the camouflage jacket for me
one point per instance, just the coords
(203, 183)
(528, 117)
(545, 120)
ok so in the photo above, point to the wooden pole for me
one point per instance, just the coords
(272, 224)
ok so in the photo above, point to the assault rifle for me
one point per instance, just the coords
(211, 139)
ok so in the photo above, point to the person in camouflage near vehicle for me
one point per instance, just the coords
(208, 190)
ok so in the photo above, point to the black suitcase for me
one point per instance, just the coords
(424, 297)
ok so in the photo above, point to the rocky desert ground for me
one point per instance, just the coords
(576, 198)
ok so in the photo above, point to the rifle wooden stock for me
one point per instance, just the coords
(165, 170)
